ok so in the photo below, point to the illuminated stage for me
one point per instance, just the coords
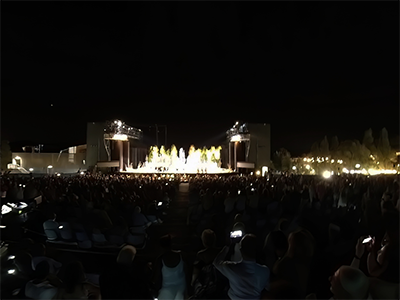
(198, 161)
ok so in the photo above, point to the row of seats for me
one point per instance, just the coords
(63, 233)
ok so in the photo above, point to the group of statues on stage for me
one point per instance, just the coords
(198, 160)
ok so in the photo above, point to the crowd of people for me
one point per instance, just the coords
(272, 237)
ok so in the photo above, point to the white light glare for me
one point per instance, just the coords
(294, 167)
(235, 138)
(82, 173)
(120, 137)
(326, 174)
(308, 167)
(30, 169)
(11, 271)
(11, 257)
(5, 209)
(49, 167)
(358, 165)
(258, 173)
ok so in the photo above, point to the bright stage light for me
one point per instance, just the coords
(235, 138)
(326, 174)
(120, 137)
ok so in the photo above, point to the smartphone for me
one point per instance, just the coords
(159, 203)
(236, 234)
(365, 241)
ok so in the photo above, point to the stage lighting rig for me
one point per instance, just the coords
(118, 130)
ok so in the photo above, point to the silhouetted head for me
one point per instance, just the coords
(166, 242)
(208, 238)
(349, 283)
(74, 275)
(248, 247)
(126, 255)
(280, 242)
(42, 270)
(301, 244)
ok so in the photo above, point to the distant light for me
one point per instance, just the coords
(258, 173)
(332, 161)
(11, 271)
(251, 173)
(82, 172)
(49, 167)
(30, 169)
(236, 138)
(115, 122)
(344, 170)
(305, 159)
(294, 167)
(237, 123)
(308, 167)
(119, 123)
(120, 137)
(264, 170)
(326, 174)
(11, 257)
(60, 227)
(358, 165)
(326, 158)
(58, 174)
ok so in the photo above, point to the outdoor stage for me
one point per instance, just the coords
(198, 161)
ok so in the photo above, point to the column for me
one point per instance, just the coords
(121, 155)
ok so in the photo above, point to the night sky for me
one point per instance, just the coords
(308, 68)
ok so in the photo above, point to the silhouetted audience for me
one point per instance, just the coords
(128, 278)
(247, 279)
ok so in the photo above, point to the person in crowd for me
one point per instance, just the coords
(247, 279)
(206, 280)
(301, 247)
(349, 283)
(38, 253)
(139, 219)
(74, 284)
(128, 278)
(384, 258)
(44, 285)
(275, 247)
(170, 272)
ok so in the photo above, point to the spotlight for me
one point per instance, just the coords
(326, 174)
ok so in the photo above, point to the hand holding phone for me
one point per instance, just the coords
(366, 240)
(236, 234)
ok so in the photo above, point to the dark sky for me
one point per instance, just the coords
(308, 68)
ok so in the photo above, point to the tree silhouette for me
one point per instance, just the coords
(6, 154)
